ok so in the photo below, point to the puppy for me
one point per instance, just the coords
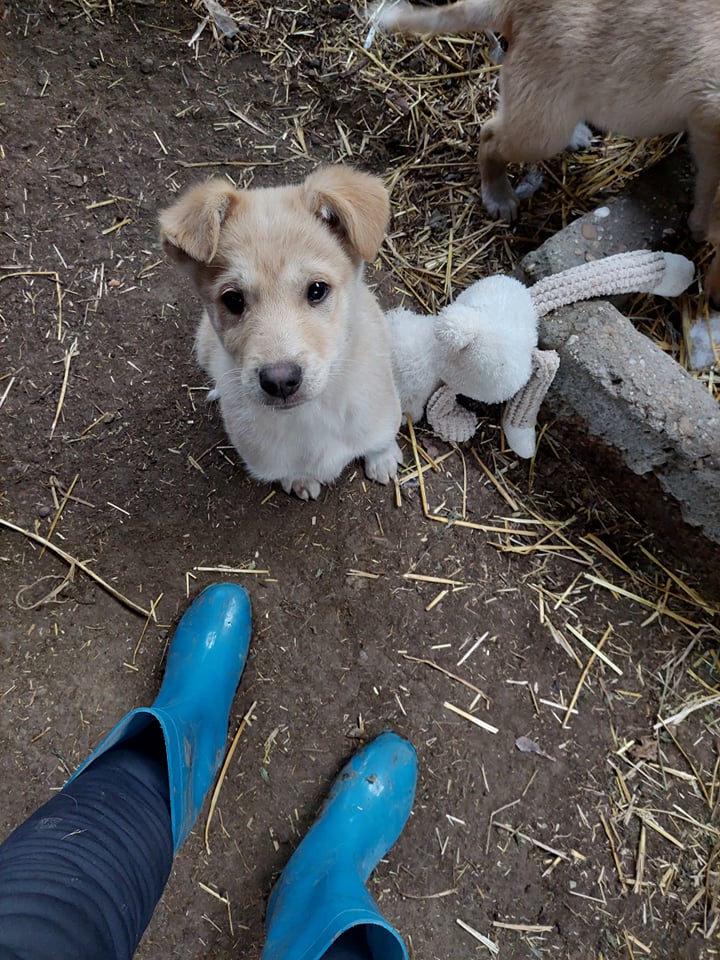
(634, 67)
(293, 339)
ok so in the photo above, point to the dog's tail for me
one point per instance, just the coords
(465, 16)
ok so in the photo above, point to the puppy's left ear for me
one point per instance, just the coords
(190, 229)
(354, 205)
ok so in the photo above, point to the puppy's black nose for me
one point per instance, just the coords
(280, 380)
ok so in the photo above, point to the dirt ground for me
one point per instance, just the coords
(602, 840)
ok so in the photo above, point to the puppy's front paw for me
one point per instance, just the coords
(382, 466)
(213, 395)
(306, 489)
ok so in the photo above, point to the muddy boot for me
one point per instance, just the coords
(320, 907)
(204, 664)
(81, 877)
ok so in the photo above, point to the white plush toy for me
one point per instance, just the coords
(484, 344)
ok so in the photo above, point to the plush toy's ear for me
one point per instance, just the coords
(354, 205)
(190, 229)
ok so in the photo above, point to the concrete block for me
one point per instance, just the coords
(630, 393)
(650, 215)
(641, 402)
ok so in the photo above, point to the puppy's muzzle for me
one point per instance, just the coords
(280, 380)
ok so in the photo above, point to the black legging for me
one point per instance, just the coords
(79, 880)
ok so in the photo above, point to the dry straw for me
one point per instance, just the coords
(413, 109)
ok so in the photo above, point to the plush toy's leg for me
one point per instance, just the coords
(521, 411)
(447, 418)
(637, 271)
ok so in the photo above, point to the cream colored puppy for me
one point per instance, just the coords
(292, 337)
(633, 67)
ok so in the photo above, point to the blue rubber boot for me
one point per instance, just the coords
(320, 906)
(204, 665)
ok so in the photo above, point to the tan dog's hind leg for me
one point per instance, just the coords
(466, 16)
(712, 280)
(712, 277)
(705, 147)
(518, 135)
(497, 193)
(704, 218)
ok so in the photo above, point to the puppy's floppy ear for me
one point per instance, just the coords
(354, 205)
(190, 228)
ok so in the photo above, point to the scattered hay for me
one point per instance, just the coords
(658, 811)
(412, 110)
(223, 771)
(80, 565)
(658, 815)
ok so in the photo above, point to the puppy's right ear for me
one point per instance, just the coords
(190, 229)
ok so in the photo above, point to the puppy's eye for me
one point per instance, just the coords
(234, 301)
(317, 291)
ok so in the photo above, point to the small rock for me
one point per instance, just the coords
(684, 426)
(589, 231)
(340, 11)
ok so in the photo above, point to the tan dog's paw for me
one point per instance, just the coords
(698, 222)
(582, 137)
(382, 466)
(500, 200)
(386, 14)
(530, 183)
(306, 489)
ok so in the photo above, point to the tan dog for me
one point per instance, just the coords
(634, 67)
(293, 339)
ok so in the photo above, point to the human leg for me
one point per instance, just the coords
(81, 877)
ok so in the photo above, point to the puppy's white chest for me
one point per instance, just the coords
(299, 442)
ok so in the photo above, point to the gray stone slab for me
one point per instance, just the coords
(649, 215)
(640, 401)
(630, 393)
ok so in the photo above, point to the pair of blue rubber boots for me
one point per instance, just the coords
(320, 906)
